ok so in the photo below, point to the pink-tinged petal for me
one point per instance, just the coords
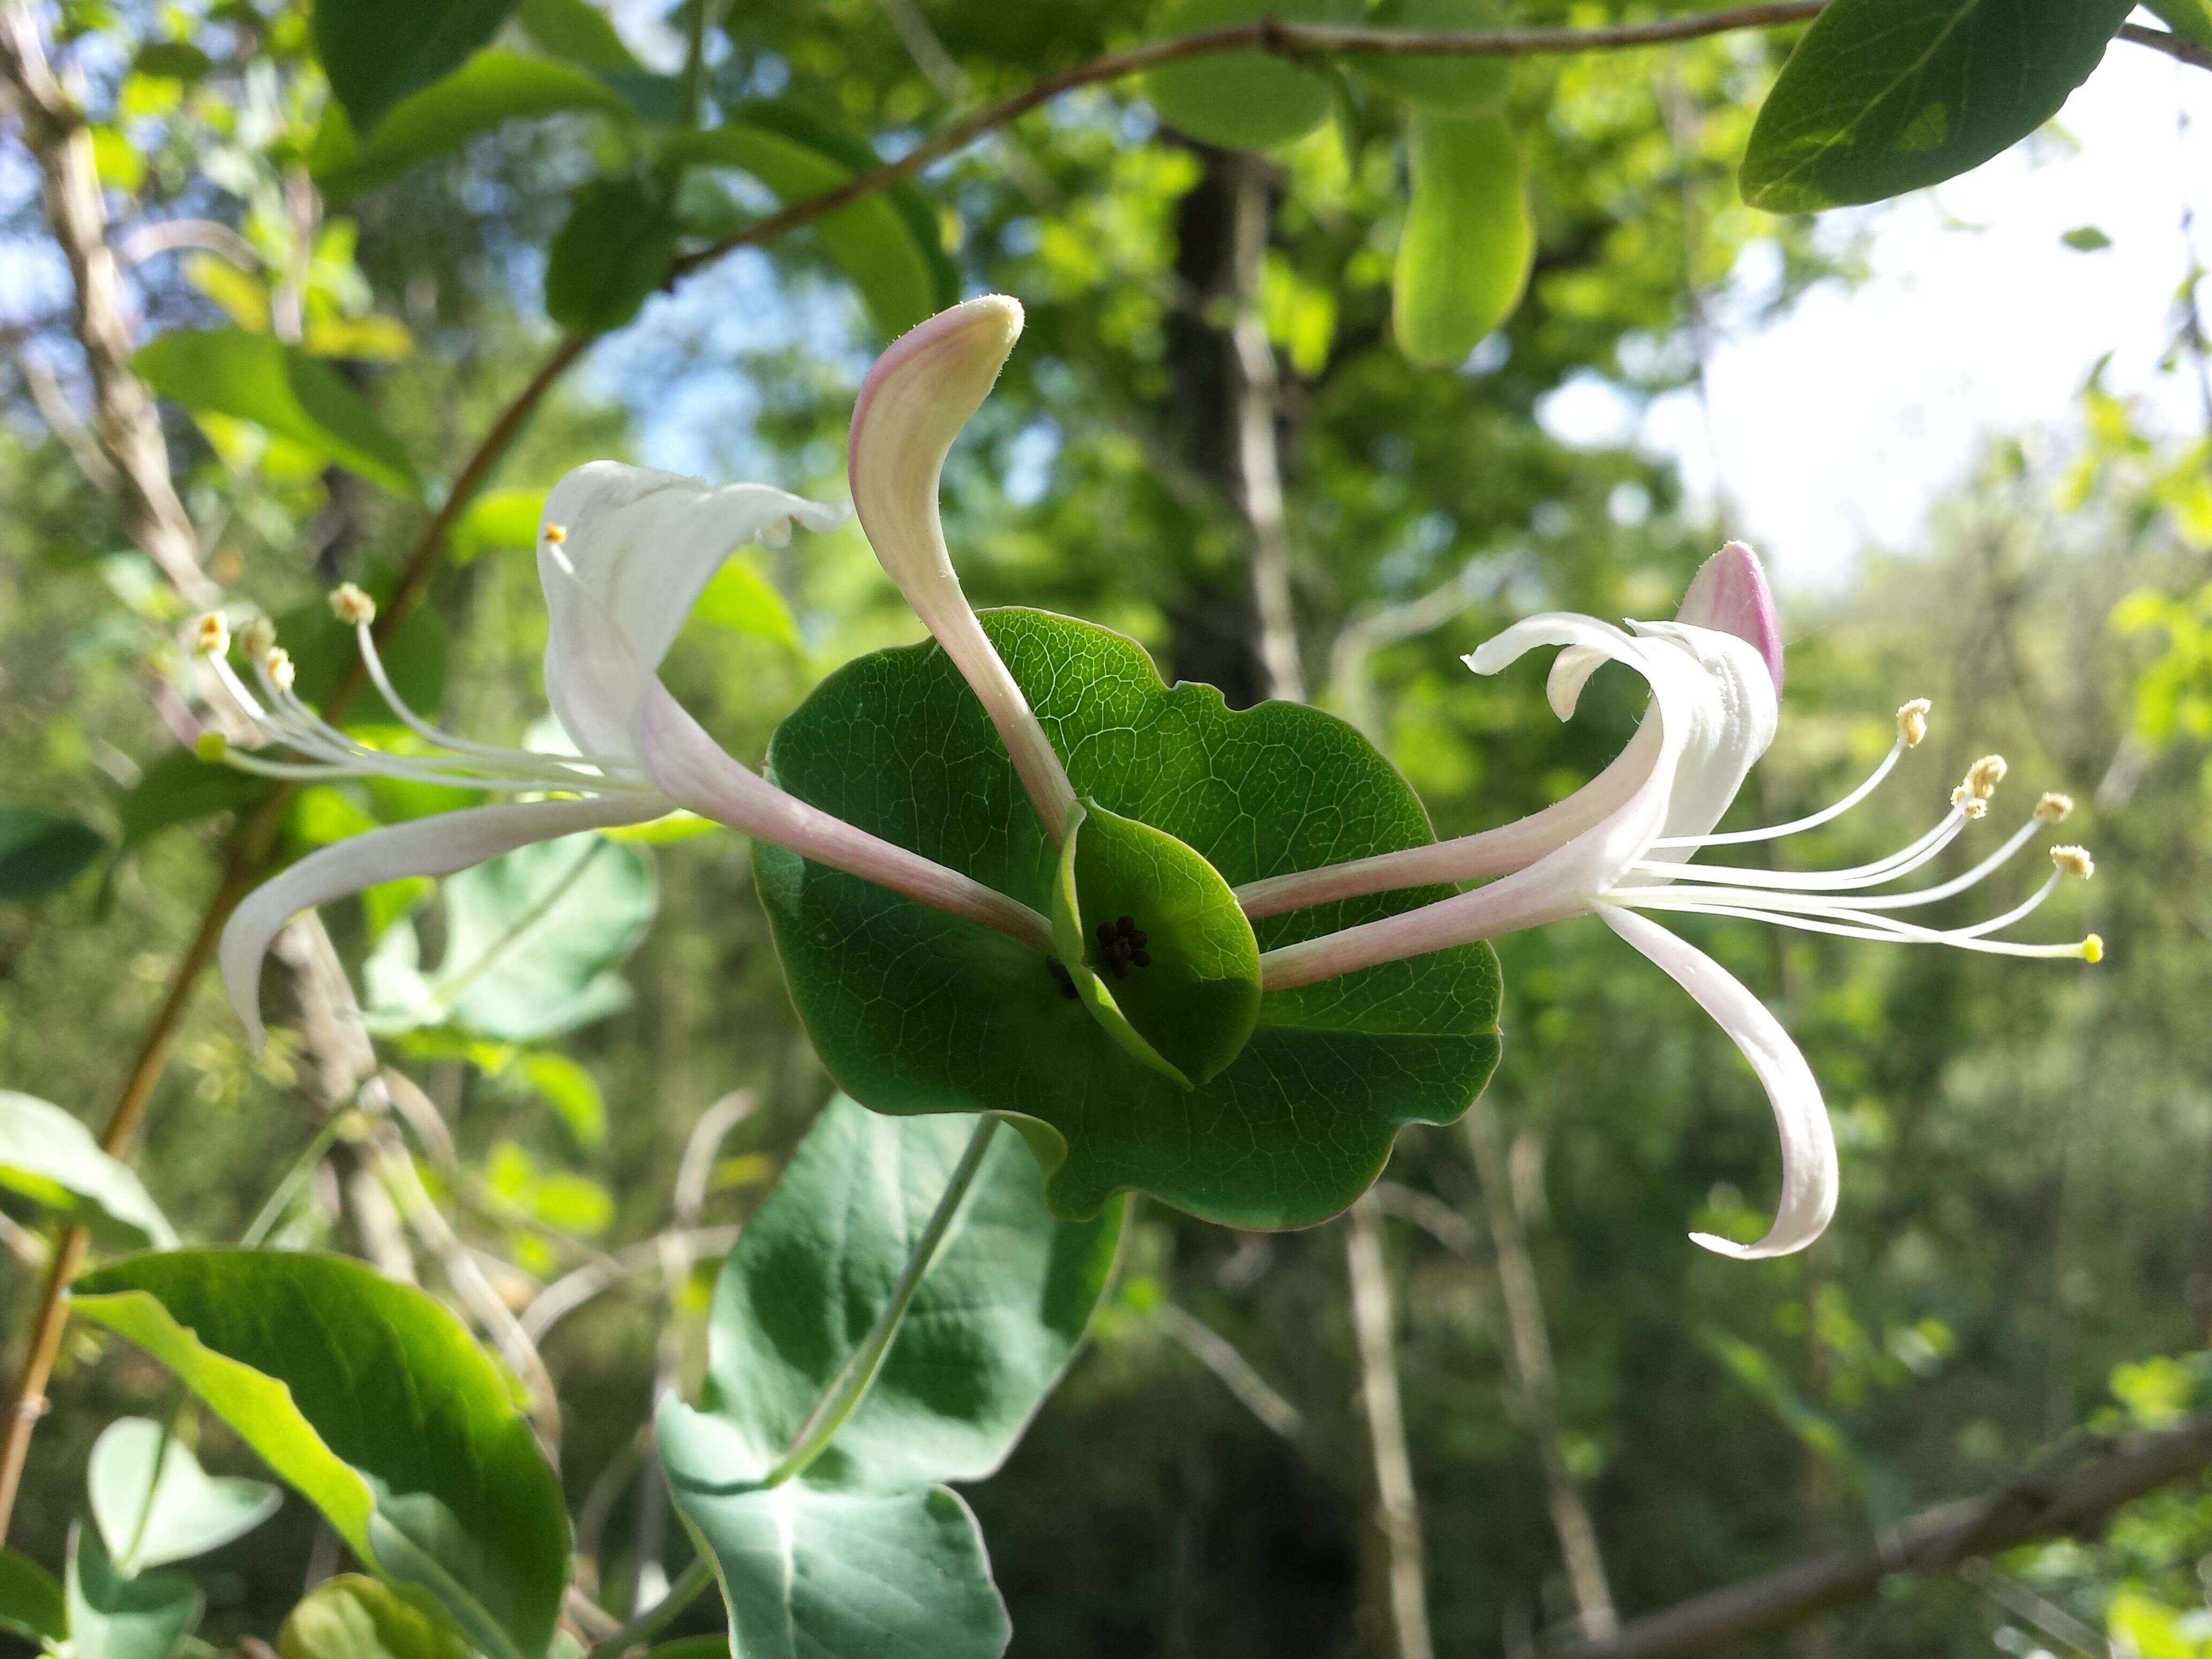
(920, 393)
(1809, 1174)
(622, 554)
(1729, 594)
(698, 773)
(427, 847)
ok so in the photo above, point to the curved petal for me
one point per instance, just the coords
(634, 548)
(1730, 729)
(920, 393)
(699, 772)
(1730, 594)
(427, 847)
(1809, 1177)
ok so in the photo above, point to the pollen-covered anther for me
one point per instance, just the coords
(276, 663)
(1983, 776)
(258, 638)
(1968, 804)
(1912, 722)
(557, 533)
(2054, 807)
(2073, 861)
(2093, 948)
(211, 638)
(350, 606)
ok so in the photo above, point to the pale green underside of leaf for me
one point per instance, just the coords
(1469, 242)
(190, 1512)
(115, 1616)
(1884, 96)
(914, 1011)
(50, 1158)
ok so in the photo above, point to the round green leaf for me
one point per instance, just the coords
(916, 1011)
(1239, 100)
(374, 1404)
(1883, 96)
(154, 1504)
(377, 52)
(1468, 244)
(51, 1158)
(113, 1615)
(350, 1617)
(1451, 84)
(41, 852)
(1157, 945)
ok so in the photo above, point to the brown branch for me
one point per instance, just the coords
(2064, 1503)
(2164, 40)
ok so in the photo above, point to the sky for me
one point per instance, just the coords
(1840, 425)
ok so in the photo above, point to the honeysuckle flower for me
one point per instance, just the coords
(1621, 848)
(622, 554)
(913, 404)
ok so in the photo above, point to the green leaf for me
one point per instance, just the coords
(2189, 19)
(280, 389)
(1883, 96)
(350, 1617)
(1156, 945)
(611, 253)
(42, 852)
(534, 940)
(51, 1158)
(31, 1601)
(1240, 99)
(889, 243)
(916, 1011)
(111, 1616)
(990, 1329)
(1451, 84)
(182, 788)
(373, 1402)
(567, 1088)
(1468, 246)
(154, 1504)
(377, 52)
(491, 89)
(2085, 238)
(498, 519)
(808, 1574)
(739, 598)
(576, 31)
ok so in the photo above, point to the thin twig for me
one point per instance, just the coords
(1232, 1370)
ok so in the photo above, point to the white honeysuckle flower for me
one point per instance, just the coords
(1622, 846)
(924, 388)
(623, 553)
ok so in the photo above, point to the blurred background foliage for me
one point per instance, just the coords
(2025, 1245)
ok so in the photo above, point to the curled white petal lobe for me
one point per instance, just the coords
(427, 847)
(625, 553)
(1809, 1173)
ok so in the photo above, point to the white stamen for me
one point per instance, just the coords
(1899, 863)
(2073, 861)
(1814, 821)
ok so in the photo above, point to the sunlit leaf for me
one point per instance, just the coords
(32, 1605)
(1240, 99)
(739, 598)
(50, 1158)
(1883, 96)
(1468, 246)
(154, 1504)
(2189, 19)
(377, 52)
(498, 519)
(350, 1617)
(280, 389)
(1461, 85)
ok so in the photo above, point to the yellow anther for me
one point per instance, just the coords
(350, 606)
(258, 638)
(1966, 803)
(556, 534)
(1912, 721)
(276, 663)
(211, 746)
(2093, 948)
(1983, 776)
(2054, 807)
(2075, 861)
(212, 639)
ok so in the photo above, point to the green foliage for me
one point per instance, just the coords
(42, 852)
(1469, 243)
(739, 598)
(2189, 19)
(489, 91)
(154, 1504)
(533, 943)
(378, 51)
(1239, 100)
(914, 1010)
(280, 389)
(32, 1605)
(372, 1402)
(611, 253)
(182, 788)
(48, 1157)
(1155, 945)
(889, 244)
(115, 1615)
(350, 1617)
(1883, 96)
(574, 30)
(1453, 85)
